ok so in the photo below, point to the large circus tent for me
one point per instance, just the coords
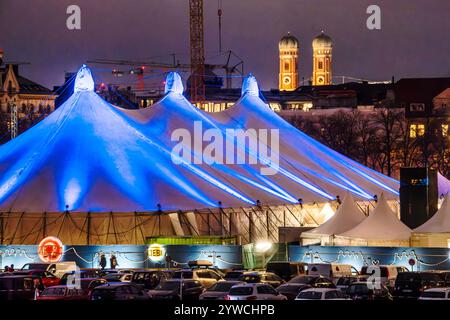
(95, 173)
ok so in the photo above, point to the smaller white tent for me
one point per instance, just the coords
(381, 228)
(443, 185)
(347, 216)
(440, 221)
(436, 231)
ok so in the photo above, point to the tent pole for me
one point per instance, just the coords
(88, 235)
(44, 225)
(1, 228)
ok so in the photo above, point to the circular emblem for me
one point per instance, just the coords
(50, 249)
(411, 262)
(320, 80)
(156, 252)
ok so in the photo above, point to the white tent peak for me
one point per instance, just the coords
(346, 217)
(173, 83)
(83, 80)
(250, 86)
(443, 184)
(440, 221)
(381, 224)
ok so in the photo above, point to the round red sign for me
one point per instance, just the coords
(50, 249)
(412, 262)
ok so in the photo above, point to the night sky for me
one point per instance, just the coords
(414, 40)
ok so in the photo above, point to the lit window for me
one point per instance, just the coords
(412, 130)
(320, 64)
(286, 66)
(444, 129)
(420, 130)
(417, 107)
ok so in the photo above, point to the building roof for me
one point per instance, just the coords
(26, 86)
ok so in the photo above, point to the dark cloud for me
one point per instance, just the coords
(414, 39)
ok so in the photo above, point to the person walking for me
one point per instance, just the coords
(113, 261)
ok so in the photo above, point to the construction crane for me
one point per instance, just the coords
(197, 48)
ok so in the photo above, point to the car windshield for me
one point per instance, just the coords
(184, 274)
(302, 279)
(113, 277)
(168, 286)
(222, 286)
(288, 288)
(358, 289)
(434, 294)
(35, 266)
(344, 281)
(241, 291)
(233, 275)
(310, 295)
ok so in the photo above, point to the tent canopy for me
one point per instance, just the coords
(440, 221)
(381, 224)
(347, 216)
(91, 156)
(443, 185)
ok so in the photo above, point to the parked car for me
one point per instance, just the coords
(387, 273)
(287, 270)
(119, 291)
(262, 277)
(233, 275)
(291, 290)
(333, 271)
(170, 290)
(207, 277)
(81, 274)
(411, 285)
(445, 274)
(436, 294)
(314, 281)
(344, 282)
(361, 291)
(58, 269)
(219, 290)
(254, 291)
(118, 277)
(321, 294)
(64, 293)
(149, 279)
(18, 287)
(48, 279)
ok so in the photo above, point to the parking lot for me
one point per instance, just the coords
(200, 280)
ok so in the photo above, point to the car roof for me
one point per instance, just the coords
(438, 290)
(252, 285)
(320, 290)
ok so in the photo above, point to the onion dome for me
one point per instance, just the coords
(288, 42)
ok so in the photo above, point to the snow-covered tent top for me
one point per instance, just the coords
(347, 216)
(381, 224)
(440, 221)
(443, 185)
(91, 156)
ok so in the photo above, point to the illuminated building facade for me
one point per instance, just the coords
(322, 60)
(288, 77)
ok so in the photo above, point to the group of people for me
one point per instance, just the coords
(9, 268)
(112, 261)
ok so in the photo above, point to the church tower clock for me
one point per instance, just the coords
(288, 49)
(322, 54)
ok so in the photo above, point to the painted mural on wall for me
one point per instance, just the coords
(130, 256)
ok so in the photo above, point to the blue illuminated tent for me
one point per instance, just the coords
(91, 156)
(95, 173)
